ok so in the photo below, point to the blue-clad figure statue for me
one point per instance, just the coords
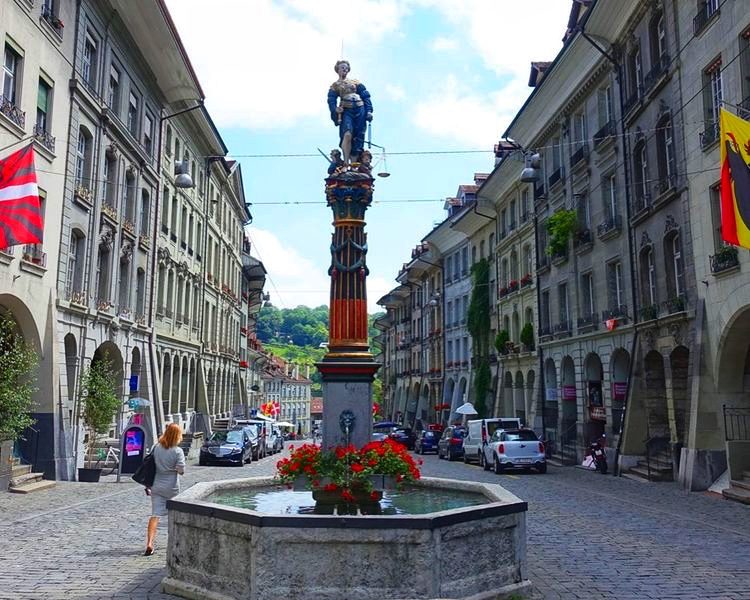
(352, 113)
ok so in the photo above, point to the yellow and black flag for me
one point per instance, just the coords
(735, 179)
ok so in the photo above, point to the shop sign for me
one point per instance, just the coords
(619, 390)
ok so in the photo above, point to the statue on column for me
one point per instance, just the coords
(351, 114)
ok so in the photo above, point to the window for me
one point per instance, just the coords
(148, 134)
(556, 151)
(173, 219)
(715, 199)
(587, 294)
(113, 95)
(745, 72)
(168, 142)
(579, 131)
(640, 169)
(635, 68)
(145, 212)
(133, 114)
(88, 68)
(514, 265)
(183, 226)
(525, 213)
(614, 281)
(491, 246)
(465, 307)
(109, 181)
(528, 266)
(102, 274)
(140, 293)
(504, 223)
(76, 252)
(11, 75)
(123, 298)
(473, 255)
(170, 292)
(583, 209)
(464, 260)
(481, 250)
(450, 313)
(610, 196)
(44, 99)
(545, 316)
(712, 97)
(129, 195)
(666, 160)
(160, 292)
(604, 105)
(562, 296)
(675, 265)
(648, 277)
(83, 157)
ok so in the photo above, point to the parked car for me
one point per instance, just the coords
(227, 447)
(379, 436)
(405, 436)
(514, 449)
(426, 442)
(258, 431)
(479, 432)
(451, 443)
(277, 438)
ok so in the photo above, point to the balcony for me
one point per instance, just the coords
(706, 14)
(649, 312)
(128, 227)
(45, 139)
(616, 312)
(52, 20)
(710, 135)
(10, 110)
(657, 73)
(144, 242)
(160, 311)
(542, 262)
(33, 253)
(110, 212)
(606, 132)
(676, 304)
(78, 297)
(545, 331)
(633, 100)
(539, 191)
(641, 204)
(609, 228)
(513, 286)
(587, 321)
(560, 257)
(582, 241)
(582, 154)
(558, 176)
(563, 328)
(724, 260)
(526, 280)
(104, 305)
(83, 194)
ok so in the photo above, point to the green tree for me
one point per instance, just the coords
(99, 399)
(478, 324)
(17, 364)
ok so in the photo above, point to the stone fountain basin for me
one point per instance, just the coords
(219, 552)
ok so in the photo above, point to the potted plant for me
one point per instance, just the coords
(17, 363)
(560, 226)
(527, 336)
(346, 475)
(501, 341)
(99, 402)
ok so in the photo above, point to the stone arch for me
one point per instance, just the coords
(531, 397)
(17, 310)
(593, 373)
(519, 399)
(448, 392)
(655, 397)
(71, 366)
(679, 361)
(619, 365)
(569, 397)
(166, 385)
(184, 386)
(109, 351)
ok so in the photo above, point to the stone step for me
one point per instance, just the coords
(740, 483)
(634, 477)
(656, 475)
(36, 486)
(25, 478)
(656, 465)
(737, 494)
(18, 469)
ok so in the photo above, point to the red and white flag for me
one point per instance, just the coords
(20, 210)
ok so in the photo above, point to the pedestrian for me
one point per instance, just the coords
(170, 462)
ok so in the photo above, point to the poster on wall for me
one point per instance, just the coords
(596, 401)
(619, 390)
(569, 392)
(551, 394)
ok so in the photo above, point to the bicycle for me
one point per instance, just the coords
(111, 454)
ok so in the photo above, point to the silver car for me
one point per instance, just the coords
(514, 449)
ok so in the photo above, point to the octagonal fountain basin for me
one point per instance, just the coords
(438, 539)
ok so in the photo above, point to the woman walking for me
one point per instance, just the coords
(170, 461)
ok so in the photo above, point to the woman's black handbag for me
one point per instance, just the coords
(146, 473)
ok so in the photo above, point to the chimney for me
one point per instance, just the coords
(307, 372)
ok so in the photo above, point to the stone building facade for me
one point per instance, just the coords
(34, 109)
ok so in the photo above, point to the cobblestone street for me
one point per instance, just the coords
(589, 536)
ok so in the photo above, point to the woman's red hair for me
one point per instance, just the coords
(172, 436)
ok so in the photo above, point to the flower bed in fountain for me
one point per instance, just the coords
(346, 474)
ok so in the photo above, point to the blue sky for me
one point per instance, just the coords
(444, 75)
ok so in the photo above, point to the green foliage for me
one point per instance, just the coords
(478, 324)
(561, 226)
(527, 336)
(302, 326)
(501, 339)
(99, 398)
(17, 363)
(482, 380)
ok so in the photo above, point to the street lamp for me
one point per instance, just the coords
(530, 173)
(182, 179)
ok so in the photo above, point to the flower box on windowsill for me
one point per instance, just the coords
(83, 195)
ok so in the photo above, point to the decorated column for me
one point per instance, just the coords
(348, 368)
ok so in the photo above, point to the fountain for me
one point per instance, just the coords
(438, 538)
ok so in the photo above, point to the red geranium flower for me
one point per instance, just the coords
(331, 487)
(357, 468)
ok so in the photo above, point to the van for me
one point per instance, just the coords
(479, 431)
(258, 431)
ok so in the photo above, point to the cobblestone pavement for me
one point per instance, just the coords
(589, 536)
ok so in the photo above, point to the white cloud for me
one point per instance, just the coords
(395, 92)
(292, 278)
(265, 64)
(441, 44)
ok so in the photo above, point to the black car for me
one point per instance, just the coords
(232, 447)
(451, 444)
(405, 436)
(427, 441)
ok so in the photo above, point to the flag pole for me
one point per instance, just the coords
(26, 139)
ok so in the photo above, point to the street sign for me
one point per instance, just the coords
(134, 383)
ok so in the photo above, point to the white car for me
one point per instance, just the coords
(514, 449)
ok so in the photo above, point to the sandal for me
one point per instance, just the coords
(148, 552)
